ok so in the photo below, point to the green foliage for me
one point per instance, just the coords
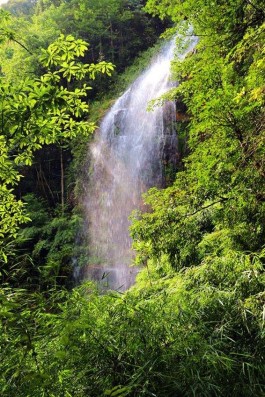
(199, 332)
(63, 54)
(50, 238)
(193, 325)
(20, 7)
(114, 27)
(40, 112)
(218, 196)
(25, 320)
(210, 223)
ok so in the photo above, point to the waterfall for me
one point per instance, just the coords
(127, 158)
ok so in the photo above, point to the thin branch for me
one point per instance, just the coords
(22, 45)
(207, 206)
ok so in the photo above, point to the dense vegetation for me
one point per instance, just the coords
(193, 325)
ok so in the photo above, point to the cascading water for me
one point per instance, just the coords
(126, 157)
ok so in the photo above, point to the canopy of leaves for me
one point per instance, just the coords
(41, 111)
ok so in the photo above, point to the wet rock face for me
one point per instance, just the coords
(118, 121)
(169, 144)
(181, 111)
(181, 116)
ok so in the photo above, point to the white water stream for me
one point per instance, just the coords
(127, 156)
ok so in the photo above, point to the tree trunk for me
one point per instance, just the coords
(62, 179)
